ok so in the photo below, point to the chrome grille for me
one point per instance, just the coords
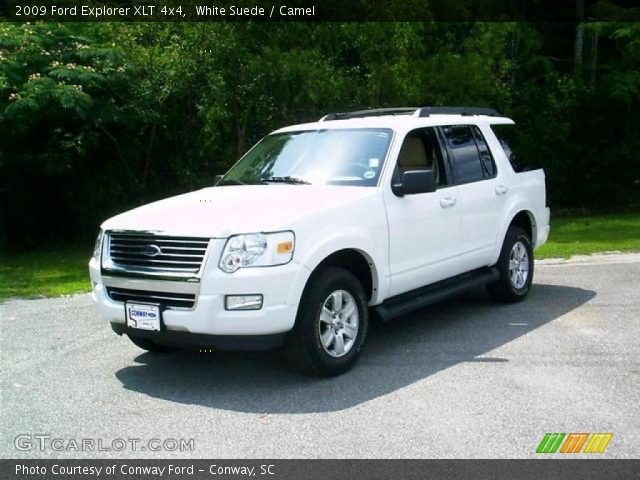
(156, 254)
(168, 299)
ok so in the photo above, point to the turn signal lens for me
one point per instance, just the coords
(285, 247)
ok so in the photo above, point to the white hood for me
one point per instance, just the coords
(223, 211)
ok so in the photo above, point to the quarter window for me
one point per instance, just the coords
(506, 135)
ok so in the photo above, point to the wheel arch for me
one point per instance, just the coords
(527, 221)
(359, 263)
(522, 218)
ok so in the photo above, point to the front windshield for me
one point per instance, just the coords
(333, 156)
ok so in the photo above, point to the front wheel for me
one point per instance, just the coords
(331, 325)
(515, 266)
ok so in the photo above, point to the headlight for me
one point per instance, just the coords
(257, 250)
(97, 248)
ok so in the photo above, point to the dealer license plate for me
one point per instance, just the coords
(142, 317)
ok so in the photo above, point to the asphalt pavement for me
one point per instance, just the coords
(462, 379)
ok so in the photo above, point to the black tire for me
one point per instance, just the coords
(504, 289)
(150, 345)
(303, 343)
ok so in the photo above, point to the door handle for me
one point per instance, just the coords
(501, 190)
(447, 202)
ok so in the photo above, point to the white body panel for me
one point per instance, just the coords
(420, 220)
(408, 241)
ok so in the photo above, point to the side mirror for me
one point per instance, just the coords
(415, 181)
(217, 179)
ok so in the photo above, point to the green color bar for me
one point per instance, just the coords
(543, 443)
(550, 442)
(557, 444)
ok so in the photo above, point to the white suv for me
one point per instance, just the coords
(317, 225)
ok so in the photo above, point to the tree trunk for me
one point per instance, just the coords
(594, 59)
(118, 152)
(514, 52)
(579, 43)
(147, 162)
(239, 139)
(241, 121)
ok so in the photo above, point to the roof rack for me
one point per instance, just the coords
(369, 113)
(465, 111)
(413, 111)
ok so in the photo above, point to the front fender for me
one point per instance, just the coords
(373, 252)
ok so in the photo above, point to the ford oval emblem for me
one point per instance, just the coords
(150, 251)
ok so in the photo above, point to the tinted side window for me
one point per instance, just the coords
(488, 164)
(506, 135)
(465, 153)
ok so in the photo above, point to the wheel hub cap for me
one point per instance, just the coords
(338, 323)
(519, 265)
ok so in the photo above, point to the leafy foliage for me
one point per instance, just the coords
(97, 117)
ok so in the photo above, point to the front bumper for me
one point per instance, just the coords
(194, 340)
(208, 323)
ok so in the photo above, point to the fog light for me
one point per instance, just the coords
(243, 302)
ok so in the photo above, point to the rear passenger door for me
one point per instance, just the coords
(481, 191)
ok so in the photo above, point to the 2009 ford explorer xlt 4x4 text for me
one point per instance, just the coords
(320, 224)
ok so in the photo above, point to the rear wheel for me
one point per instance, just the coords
(515, 266)
(150, 345)
(331, 325)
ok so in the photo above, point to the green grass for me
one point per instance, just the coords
(62, 272)
(44, 274)
(592, 234)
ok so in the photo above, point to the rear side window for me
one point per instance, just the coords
(486, 159)
(471, 156)
(506, 135)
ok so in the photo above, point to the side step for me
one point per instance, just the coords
(422, 297)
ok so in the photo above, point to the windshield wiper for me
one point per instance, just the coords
(288, 179)
(229, 182)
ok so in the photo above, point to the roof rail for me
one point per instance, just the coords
(467, 111)
(369, 113)
(414, 111)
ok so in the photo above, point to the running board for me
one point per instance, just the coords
(422, 297)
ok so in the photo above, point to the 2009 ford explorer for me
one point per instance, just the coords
(319, 225)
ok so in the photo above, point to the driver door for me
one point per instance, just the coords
(425, 228)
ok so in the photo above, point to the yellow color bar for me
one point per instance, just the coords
(598, 442)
